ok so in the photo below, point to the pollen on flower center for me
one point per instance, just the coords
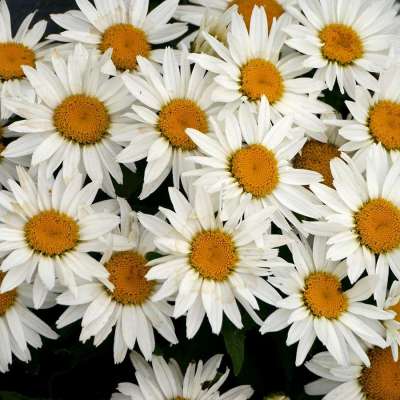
(127, 273)
(316, 156)
(256, 170)
(384, 124)
(213, 255)
(12, 57)
(341, 44)
(323, 295)
(377, 224)
(245, 7)
(51, 233)
(127, 43)
(260, 77)
(82, 119)
(381, 381)
(7, 299)
(178, 115)
(396, 309)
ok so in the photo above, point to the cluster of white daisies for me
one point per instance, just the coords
(259, 160)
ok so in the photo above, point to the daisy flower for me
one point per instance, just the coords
(362, 220)
(248, 161)
(22, 49)
(47, 232)
(316, 305)
(128, 302)
(19, 327)
(376, 119)
(167, 104)
(379, 381)
(79, 115)
(165, 381)
(392, 303)
(125, 26)
(209, 265)
(251, 66)
(345, 41)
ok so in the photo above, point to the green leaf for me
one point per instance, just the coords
(152, 255)
(234, 343)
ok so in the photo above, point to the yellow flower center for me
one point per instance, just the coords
(178, 115)
(381, 381)
(51, 233)
(260, 77)
(127, 43)
(341, 44)
(245, 7)
(127, 273)
(213, 255)
(316, 156)
(256, 170)
(323, 295)
(384, 124)
(396, 309)
(12, 57)
(7, 299)
(378, 225)
(82, 119)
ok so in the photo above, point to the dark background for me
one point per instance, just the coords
(67, 369)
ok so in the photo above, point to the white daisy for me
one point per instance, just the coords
(316, 305)
(380, 381)
(80, 113)
(19, 327)
(24, 48)
(47, 232)
(209, 265)
(376, 119)
(128, 302)
(392, 303)
(167, 104)
(165, 381)
(251, 66)
(344, 40)
(125, 26)
(248, 161)
(362, 219)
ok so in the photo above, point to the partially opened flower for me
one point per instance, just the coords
(317, 306)
(79, 115)
(167, 104)
(252, 66)
(125, 26)
(47, 232)
(209, 265)
(363, 217)
(128, 302)
(19, 327)
(165, 381)
(15, 51)
(379, 381)
(392, 326)
(247, 161)
(345, 41)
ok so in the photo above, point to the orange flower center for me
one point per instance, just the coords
(256, 170)
(213, 255)
(127, 43)
(341, 44)
(396, 309)
(127, 273)
(378, 225)
(178, 115)
(316, 156)
(51, 233)
(323, 295)
(12, 57)
(381, 381)
(7, 299)
(384, 124)
(82, 119)
(245, 7)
